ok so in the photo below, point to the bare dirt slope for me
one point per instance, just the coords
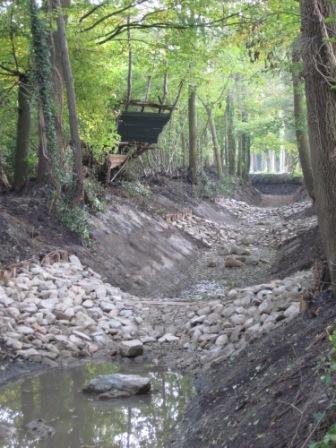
(129, 247)
(268, 396)
(132, 245)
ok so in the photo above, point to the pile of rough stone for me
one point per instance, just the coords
(246, 315)
(277, 218)
(204, 230)
(258, 220)
(64, 310)
(59, 311)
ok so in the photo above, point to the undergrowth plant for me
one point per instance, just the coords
(329, 438)
(76, 220)
(136, 189)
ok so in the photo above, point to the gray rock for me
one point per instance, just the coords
(197, 320)
(222, 340)
(228, 311)
(38, 429)
(107, 306)
(75, 261)
(233, 294)
(131, 349)
(204, 311)
(237, 319)
(264, 294)
(88, 304)
(168, 338)
(23, 329)
(5, 300)
(117, 385)
(266, 307)
(83, 320)
(292, 311)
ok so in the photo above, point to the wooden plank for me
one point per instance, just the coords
(115, 160)
(144, 104)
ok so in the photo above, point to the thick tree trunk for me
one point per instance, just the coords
(231, 143)
(300, 123)
(58, 86)
(71, 95)
(22, 133)
(319, 57)
(44, 83)
(192, 113)
(215, 144)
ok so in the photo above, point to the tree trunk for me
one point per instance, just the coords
(22, 133)
(239, 164)
(71, 95)
(58, 86)
(184, 150)
(300, 123)
(44, 83)
(192, 113)
(130, 64)
(230, 135)
(246, 149)
(215, 144)
(44, 169)
(320, 68)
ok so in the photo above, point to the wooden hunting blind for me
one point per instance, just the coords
(139, 129)
(142, 127)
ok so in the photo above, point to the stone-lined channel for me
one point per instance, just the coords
(79, 421)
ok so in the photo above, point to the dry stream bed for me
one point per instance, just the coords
(59, 312)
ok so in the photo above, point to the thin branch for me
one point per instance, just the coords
(7, 92)
(94, 9)
(115, 13)
(209, 105)
(10, 71)
(151, 13)
(169, 25)
(150, 44)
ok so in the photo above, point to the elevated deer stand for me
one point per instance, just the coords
(139, 129)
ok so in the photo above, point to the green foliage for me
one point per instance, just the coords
(328, 378)
(184, 46)
(227, 185)
(136, 189)
(94, 193)
(75, 219)
(211, 188)
(328, 441)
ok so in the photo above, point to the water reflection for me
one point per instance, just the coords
(81, 422)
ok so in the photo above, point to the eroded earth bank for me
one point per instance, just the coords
(208, 287)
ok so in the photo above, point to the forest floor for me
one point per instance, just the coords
(209, 286)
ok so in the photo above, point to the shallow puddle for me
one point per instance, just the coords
(81, 422)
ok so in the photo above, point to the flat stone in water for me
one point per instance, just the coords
(78, 421)
(39, 430)
(118, 385)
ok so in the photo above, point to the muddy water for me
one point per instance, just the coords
(81, 422)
